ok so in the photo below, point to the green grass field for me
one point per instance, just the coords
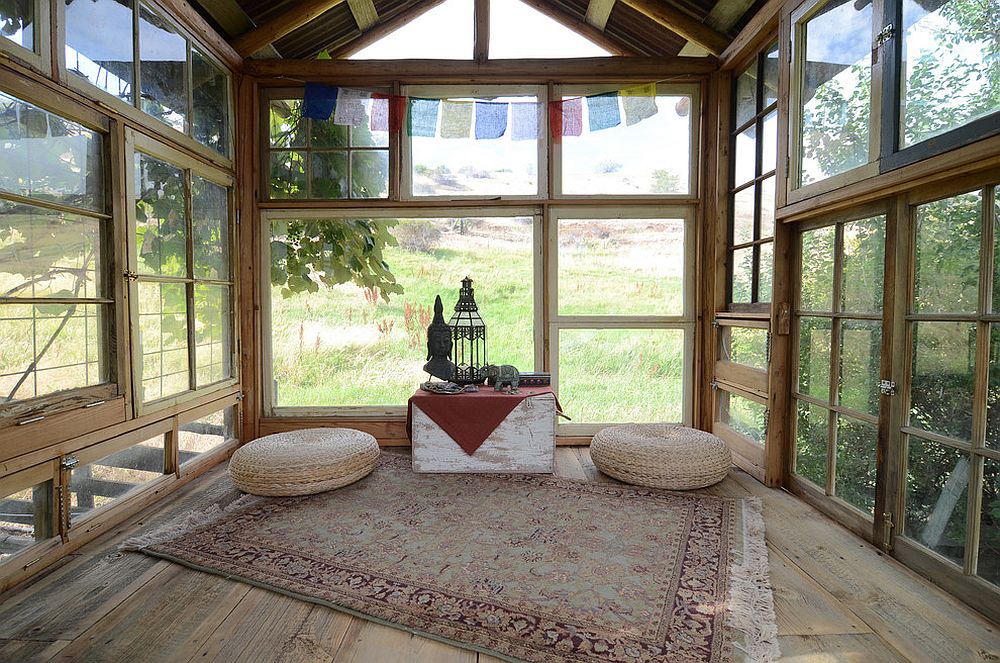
(342, 346)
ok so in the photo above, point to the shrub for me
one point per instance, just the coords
(417, 235)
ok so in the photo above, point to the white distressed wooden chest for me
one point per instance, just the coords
(524, 442)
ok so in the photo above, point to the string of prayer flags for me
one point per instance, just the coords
(456, 119)
(602, 111)
(524, 121)
(423, 117)
(387, 112)
(566, 117)
(319, 101)
(491, 119)
(639, 103)
(352, 107)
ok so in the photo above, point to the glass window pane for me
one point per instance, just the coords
(835, 97)
(855, 480)
(744, 345)
(26, 516)
(742, 265)
(771, 76)
(99, 45)
(996, 252)
(340, 344)
(287, 126)
(989, 529)
(322, 133)
(44, 253)
(469, 167)
(164, 84)
(17, 23)
(621, 267)
(863, 270)
(765, 283)
(816, 287)
(210, 112)
(519, 30)
(163, 339)
(860, 365)
(769, 143)
(288, 175)
(948, 243)
(937, 489)
(205, 434)
(746, 95)
(767, 208)
(619, 160)
(942, 377)
(949, 66)
(210, 225)
(745, 165)
(47, 157)
(814, 357)
(743, 208)
(812, 431)
(993, 391)
(595, 363)
(212, 334)
(51, 347)
(328, 171)
(101, 482)
(160, 218)
(746, 417)
(369, 174)
(362, 135)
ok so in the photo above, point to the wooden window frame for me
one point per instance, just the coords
(133, 111)
(28, 478)
(758, 241)
(270, 409)
(690, 90)
(686, 321)
(136, 142)
(39, 57)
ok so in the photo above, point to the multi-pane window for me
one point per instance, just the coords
(839, 342)
(107, 472)
(55, 305)
(27, 509)
(183, 278)
(173, 80)
(17, 22)
(320, 159)
(952, 424)
(741, 379)
(752, 190)
(206, 433)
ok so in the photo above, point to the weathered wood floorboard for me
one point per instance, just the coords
(837, 599)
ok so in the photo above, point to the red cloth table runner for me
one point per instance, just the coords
(469, 417)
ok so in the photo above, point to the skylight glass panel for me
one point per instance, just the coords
(519, 31)
(442, 33)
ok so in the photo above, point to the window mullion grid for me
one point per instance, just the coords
(836, 324)
(136, 60)
(189, 287)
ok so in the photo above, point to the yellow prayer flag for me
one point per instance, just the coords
(647, 90)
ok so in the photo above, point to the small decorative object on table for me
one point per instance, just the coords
(442, 387)
(502, 376)
(469, 333)
(535, 379)
(439, 363)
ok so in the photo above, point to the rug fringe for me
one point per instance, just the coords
(174, 528)
(751, 603)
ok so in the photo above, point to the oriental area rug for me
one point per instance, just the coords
(523, 567)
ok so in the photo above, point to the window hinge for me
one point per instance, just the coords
(714, 385)
(884, 35)
(887, 531)
(240, 396)
(130, 275)
(887, 387)
(69, 462)
(715, 324)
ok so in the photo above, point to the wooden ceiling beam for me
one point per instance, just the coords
(677, 21)
(182, 10)
(297, 15)
(231, 18)
(581, 27)
(481, 48)
(598, 12)
(563, 70)
(364, 12)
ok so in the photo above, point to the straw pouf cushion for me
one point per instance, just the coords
(303, 462)
(661, 456)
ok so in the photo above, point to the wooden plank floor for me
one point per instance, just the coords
(836, 598)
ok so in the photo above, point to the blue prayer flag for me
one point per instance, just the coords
(491, 119)
(524, 120)
(319, 101)
(603, 111)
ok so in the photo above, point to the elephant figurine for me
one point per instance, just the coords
(501, 376)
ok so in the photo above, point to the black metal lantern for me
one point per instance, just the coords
(469, 333)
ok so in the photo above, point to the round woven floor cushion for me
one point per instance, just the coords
(661, 456)
(303, 462)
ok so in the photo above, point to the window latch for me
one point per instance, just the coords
(884, 35)
(887, 387)
(130, 275)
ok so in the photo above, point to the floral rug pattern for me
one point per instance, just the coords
(531, 568)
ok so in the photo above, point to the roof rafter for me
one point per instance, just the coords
(677, 21)
(235, 21)
(598, 12)
(292, 18)
(364, 12)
